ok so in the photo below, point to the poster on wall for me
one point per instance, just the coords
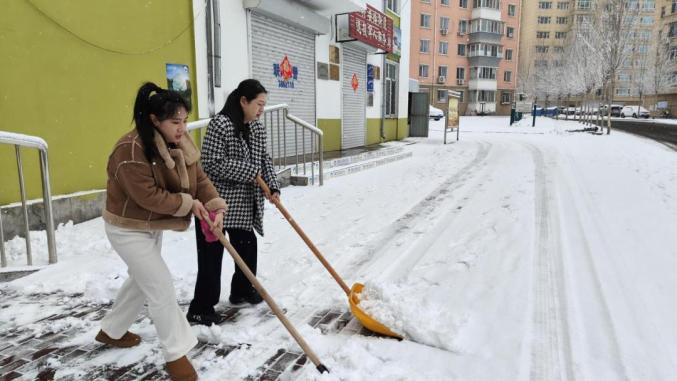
(178, 79)
(370, 78)
(285, 73)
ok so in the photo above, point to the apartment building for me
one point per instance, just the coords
(548, 25)
(469, 46)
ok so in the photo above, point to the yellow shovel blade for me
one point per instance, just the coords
(366, 320)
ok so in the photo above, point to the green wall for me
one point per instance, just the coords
(62, 79)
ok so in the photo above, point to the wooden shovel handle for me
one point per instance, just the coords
(303, 235)
(269, 299)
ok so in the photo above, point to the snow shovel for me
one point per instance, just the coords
(269, 300)
(353, 293)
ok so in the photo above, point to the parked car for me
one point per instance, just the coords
(435, 113)
(635, 112)
(615, 110)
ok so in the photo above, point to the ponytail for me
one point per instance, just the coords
(164, 104)
(250, 89)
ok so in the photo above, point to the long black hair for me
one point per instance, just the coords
(163, 104)
(250, 89)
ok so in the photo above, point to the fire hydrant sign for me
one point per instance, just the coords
(372, 27)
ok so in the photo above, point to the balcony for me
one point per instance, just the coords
(480, 60)
(486, 13)
(483, 84)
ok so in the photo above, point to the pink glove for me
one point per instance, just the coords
(209, 236)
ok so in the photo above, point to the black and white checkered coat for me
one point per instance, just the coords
(232, 167)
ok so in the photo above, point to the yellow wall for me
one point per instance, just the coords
(79, 97)
(332, 133)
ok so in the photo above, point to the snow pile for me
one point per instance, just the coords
(407, 312)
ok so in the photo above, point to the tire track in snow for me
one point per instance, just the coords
(550, 342)
(599, 306)
(387, 251)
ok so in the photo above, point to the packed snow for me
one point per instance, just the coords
(515, 253)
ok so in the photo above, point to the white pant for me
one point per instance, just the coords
(149, 281)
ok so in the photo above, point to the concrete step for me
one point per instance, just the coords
(352, 164)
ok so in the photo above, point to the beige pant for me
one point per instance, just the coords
(149, 282)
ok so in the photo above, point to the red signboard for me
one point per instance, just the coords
(372, 27)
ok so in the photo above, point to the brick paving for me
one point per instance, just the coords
(34, 351)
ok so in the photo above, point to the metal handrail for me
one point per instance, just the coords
(18, 141)
(275, 117)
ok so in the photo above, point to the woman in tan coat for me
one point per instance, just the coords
(155, 183)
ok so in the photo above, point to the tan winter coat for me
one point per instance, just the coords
(156, 196)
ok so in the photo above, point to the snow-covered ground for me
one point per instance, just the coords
(515, 253)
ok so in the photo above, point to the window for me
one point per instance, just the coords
(674, 6)
(425, 21)
(442, 96)
(643, 49)
(563, 5)
(649, 5)
(463, 3)
(442, 71)
(544, 19)
(560, 35)
(512, 9)
(483, 72)
(444, 2)
(391, 89)
(673, 29)
(542, 49)
(460, 73)
(444, 47)
(505, 97)
(509, 32)
(623, 92)
(486, 96)
(507, 76)
(486, 4)
(484, 25)
(423, 71)
(462, 27)
(583, 4)
(425, 46)
(444, 23)
(624, 77)
(559, 49)
(544, 4)
(425, 1)
(541, 34)
(541, 63)
(393, 5)
(508, 54)
(562, 20)
(460, 97)
(461, 49)
(646, 20)
(486, 50)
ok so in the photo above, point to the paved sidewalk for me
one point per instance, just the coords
(63, 342)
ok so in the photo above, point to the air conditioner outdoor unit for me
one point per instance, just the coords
(441, 79)
(444, 31)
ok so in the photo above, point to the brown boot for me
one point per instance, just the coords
(126, 341)
(181, 370)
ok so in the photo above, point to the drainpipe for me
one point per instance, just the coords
(383, 91)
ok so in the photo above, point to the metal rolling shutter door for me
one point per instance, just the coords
(271, 41)
(354, 102)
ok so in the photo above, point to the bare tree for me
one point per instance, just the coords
(611, 25)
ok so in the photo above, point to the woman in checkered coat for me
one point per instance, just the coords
(233, 154)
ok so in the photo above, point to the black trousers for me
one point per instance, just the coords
(209, 261)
